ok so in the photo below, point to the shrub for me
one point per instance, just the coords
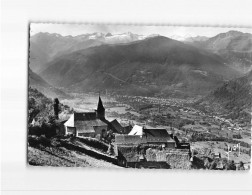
(46, 126)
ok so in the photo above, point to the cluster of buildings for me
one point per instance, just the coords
(94, 124)
(133, 146)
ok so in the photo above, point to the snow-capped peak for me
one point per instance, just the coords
(110, 38)
(118, 38)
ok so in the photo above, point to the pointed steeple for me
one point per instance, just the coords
(100, 106)
(100, 112)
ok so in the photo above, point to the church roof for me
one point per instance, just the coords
(100, 106)
(84, 116)
(88, 126)
(84, 121)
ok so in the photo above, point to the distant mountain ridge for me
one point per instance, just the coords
(188, 38)
(44, 47)
(234, 46)
(231, 40)
(195, 39)
(156, 65)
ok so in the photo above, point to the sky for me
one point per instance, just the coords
(168, 31)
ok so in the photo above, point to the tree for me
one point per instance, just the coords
(56, 108)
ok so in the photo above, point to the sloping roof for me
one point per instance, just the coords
(151, 134)
(87, 125)
(156, 132)
(84, 116)
(84, 122)
(80, 116)
(136, 130)
(116, 126)
(127, 129)
(150, 137)
(157, 135)
(70, 121)
(128, 139)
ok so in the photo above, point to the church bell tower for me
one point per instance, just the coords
(100, 112)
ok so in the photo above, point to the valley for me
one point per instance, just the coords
(196, 89)
(179, 117)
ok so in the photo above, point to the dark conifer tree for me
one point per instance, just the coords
(56, 108)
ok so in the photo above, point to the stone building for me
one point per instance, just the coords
(87, 124)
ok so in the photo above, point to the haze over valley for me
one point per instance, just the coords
(195, 85)
(142, 65)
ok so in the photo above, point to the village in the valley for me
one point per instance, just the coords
(149, 132)
(168, 97)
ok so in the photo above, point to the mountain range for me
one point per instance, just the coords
(234, 46)
(138, 64)
(44, 47)
(188, 38)
(152, 66)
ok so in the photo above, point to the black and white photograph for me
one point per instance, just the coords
(139, 96)
(125, 97)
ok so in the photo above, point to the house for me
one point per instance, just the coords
(127, 129)
(116, 127)
(87, 124)
(150, 136)
(157, 136)
(136, 130)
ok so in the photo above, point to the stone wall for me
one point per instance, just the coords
(130, 153)
(175, 158)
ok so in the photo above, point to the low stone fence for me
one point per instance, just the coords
(175, 158)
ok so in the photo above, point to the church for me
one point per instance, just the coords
(87, 124)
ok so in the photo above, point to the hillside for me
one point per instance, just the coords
(153, 66)
(38, 104)
(35, 79)
(40, 107)
(68, 152)
(234, 98)
(234, 46)
(39, 83)
(46, 148)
